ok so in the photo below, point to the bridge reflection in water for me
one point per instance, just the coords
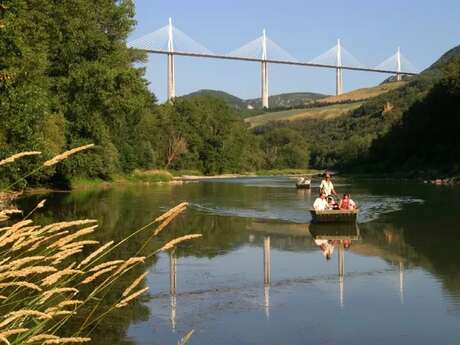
(327, 237)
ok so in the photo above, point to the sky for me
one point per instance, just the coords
(371, 30)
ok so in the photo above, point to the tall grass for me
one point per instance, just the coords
(46, 281)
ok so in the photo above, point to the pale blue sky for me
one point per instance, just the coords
(370, 30)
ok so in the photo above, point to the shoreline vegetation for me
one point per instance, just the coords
(179, 177)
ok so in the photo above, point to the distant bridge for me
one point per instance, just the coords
(170, 41)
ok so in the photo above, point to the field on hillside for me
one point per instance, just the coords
(364, 93)
(325, 112)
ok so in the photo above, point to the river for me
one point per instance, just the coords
(258, 277)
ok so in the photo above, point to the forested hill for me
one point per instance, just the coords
(284, 100)
(412, 128)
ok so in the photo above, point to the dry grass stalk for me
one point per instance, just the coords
(134, 284)
(4, 339)
(12, 158)
(47, 294)
(53, 278)
(13, 332)
(73, 340)
(65, 155)
(61, 256)
(129, 263)
(65, 240)
(106, 264)
(41, 337)
(93, 255)
(173, 243)
(62, 305)
(21, 284)
(79, 244)
(21, 262)
(41, 240)
(5, 214)
(98, 274)
(51, 228)
(27, 271)
(10, 317)
(175, 210)
(124, 302)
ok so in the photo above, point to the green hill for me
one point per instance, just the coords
(285, 100)
(231, 100)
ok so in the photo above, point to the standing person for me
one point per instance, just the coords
(326, 185)
(320, 203)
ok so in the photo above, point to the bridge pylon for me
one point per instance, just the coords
(264, 72)
(398, 65)
(339, 71)
(170, 66)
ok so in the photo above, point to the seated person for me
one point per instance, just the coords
(347, 203)
(332, 205)
(320, 203)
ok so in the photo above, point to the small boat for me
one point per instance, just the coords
(305, 184)
(334, 216)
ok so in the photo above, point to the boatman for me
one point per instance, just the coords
(320, 203)
(326, 185)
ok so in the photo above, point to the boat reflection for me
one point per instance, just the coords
(329, 236)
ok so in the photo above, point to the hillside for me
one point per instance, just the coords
(362, 94)
(285, 100)
(231, 100)
(328, 107)
(324, 113)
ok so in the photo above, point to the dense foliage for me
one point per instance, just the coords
(69, 79)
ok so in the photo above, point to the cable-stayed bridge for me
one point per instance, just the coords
(171, 42)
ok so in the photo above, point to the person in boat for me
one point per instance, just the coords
(320, 203)
(327, 186)
(346, 203)
(303, 180)
(332, 204)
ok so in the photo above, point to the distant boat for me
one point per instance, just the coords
(334, 216)
(305, 184)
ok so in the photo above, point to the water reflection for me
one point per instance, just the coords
(220, 286)
(172, 287)
(327, 237)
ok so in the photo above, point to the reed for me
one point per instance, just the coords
(42, 270)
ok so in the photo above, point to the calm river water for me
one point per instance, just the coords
(259, 277)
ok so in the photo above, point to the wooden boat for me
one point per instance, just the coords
(334, 216)
(303, 185)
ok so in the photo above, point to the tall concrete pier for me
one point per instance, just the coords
(339, 71)
(171, 80)
(398, 64)
(264, 70)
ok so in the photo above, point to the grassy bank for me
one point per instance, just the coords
(165, 176)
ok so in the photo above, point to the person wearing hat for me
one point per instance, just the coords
(326, 185)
